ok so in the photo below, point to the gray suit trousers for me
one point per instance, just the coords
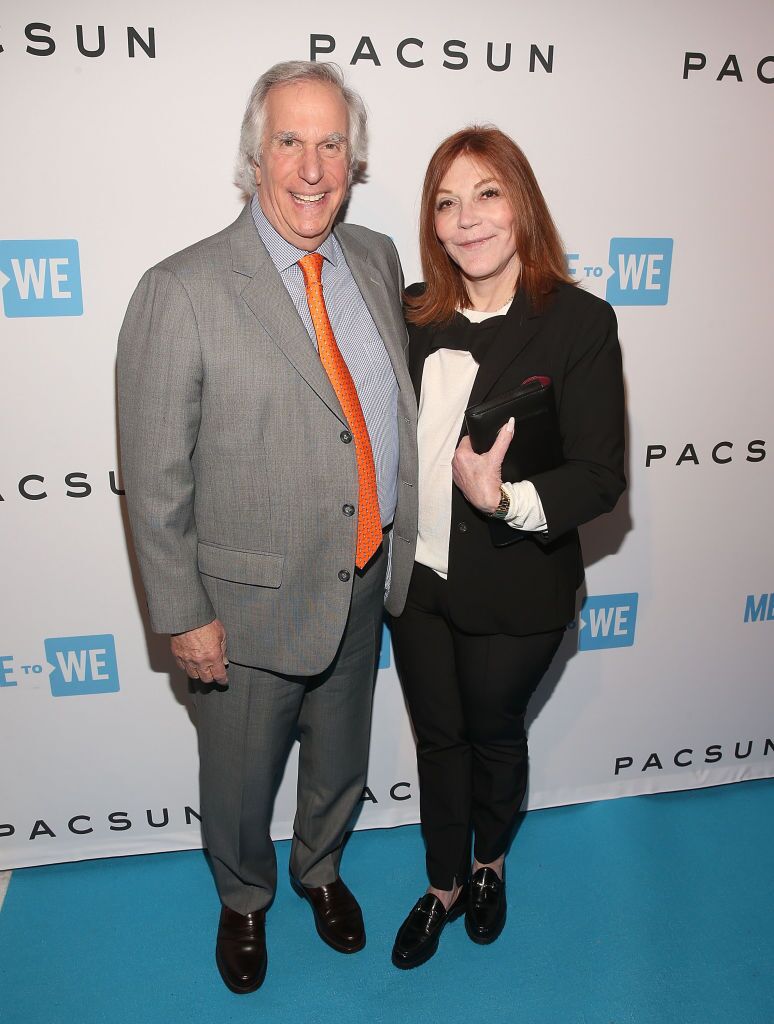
(245, 734)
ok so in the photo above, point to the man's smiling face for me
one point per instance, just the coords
(304, 170)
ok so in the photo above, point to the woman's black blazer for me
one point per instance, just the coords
(529, 586)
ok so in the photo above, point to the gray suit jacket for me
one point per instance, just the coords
(232, 449)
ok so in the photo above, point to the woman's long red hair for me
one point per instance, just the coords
(538, 245)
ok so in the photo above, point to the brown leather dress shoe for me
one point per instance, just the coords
(240, 951)
(337, 915)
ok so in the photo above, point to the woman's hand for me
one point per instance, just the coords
(479, 476)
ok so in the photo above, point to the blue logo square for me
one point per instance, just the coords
(82, 665)
(642, 268)
(384, 652)
(41, 277)
(608, 620)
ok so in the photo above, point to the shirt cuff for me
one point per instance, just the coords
(526, 511)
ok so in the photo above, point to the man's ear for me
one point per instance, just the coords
(257, 172)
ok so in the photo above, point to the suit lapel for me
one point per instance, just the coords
(268, 299)
(418, 349)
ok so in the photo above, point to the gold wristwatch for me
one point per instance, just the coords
(504, 507)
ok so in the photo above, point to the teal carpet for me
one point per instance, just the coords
(649, 910)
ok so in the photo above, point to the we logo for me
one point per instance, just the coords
(607, 620)
(41, 277)
(82, 665)
(385, 649)
(641, 269)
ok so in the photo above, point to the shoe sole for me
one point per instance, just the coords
(430, 951)
(403, 965)
(240, 990)
(299, 891)
(484, 940)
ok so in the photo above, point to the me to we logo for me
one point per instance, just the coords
(82, 665)
(641, 271)
(607, 620)
(759, 608)
(76, 666)
(41, 277)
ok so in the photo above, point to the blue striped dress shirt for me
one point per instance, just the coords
(359, 341)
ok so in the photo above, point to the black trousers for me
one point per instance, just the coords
(467, 696)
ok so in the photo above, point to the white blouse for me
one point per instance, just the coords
(446, 385)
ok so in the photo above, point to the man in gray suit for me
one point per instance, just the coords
(262, 512)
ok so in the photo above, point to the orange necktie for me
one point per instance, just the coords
(369, 523)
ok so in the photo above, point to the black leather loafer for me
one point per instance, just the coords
(240, 951)
(337, 914)
(418, 936)
(485, 916)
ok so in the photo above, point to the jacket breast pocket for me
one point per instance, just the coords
(255, 568)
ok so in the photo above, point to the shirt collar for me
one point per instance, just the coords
(282, 252)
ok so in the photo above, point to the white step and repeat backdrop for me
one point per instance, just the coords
(650, 130)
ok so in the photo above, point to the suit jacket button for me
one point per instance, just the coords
(345, 436)
(343, 575)
(462, 527)
(348, 510)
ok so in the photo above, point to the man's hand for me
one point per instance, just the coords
(201, 652)
(478, 476)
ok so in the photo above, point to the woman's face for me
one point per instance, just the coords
(475, 224)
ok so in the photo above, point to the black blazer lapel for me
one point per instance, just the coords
(518, 328)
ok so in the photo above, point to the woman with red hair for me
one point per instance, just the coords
(483, 622)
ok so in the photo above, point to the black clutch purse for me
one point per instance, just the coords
(536, 445)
